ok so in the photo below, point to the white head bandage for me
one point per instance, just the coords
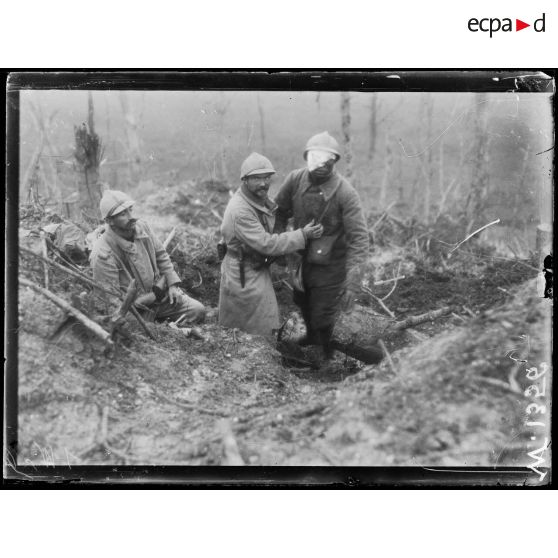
(316, 158)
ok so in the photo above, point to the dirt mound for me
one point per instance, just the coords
(449, 393)
(194, 203)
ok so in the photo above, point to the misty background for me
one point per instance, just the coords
(424, 155)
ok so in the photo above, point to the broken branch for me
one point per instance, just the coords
(379, 301)
(395, 284)
(473, 234)
(44, 251)
(384, 281)
(388, 356)
(169, 238)
(82, 318)
(188, 407)
(91, 283)
(415, 320)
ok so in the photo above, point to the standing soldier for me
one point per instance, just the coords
(332, 265)
(246, 298)
(128, 250)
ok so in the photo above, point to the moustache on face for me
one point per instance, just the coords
(131, 223)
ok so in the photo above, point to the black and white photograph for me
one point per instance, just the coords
(330, 269)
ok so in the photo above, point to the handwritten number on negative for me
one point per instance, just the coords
(533, 390)
(534, 408)
(533, 374)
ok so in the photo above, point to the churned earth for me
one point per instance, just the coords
(451, 393)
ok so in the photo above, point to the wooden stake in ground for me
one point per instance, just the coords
(44, 251)
(92, 326)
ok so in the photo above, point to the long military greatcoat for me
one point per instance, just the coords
(145, 252)
(247, 224)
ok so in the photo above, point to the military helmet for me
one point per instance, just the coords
(324, 142)
(114, 202)
(256, 164)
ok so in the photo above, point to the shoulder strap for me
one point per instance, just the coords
(326, 206)
(129, 269)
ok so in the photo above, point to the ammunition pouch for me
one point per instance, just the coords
(319, 250)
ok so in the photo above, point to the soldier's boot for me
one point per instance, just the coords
(326, 336)
(311, 337)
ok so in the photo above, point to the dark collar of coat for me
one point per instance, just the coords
(269, 208)
(328, 187)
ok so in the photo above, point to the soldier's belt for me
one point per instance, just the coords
(257, 260)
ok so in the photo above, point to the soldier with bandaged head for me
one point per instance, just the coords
(332, 266)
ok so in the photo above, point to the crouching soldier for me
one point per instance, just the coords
(128, 250)
(246, 298)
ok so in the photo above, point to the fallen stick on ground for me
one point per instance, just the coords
(469, 311)
(394, 285)
(458, 316)
(187, 406)
(471, 235)
(169, 238)
(388, 356)
(91, 283)
(230, 447)
(384, 281)
(44, 251)
(384, 307)
(415, 320)
(82, 318)
(417, 335)
(498, 383)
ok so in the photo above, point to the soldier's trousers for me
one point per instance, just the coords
(192, 310)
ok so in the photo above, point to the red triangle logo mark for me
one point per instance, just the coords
(519, 25)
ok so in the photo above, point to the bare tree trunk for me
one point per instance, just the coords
(373, 125)
(132, 139)
(88, 153)
(474, 205)
(29, 182)
(387, 173)
(262, 124)
(430, 159)
(346, 129)
(221, 108)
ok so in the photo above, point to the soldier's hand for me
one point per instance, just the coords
(312, 230)
(174, 294)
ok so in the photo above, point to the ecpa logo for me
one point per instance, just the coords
(494, 24)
